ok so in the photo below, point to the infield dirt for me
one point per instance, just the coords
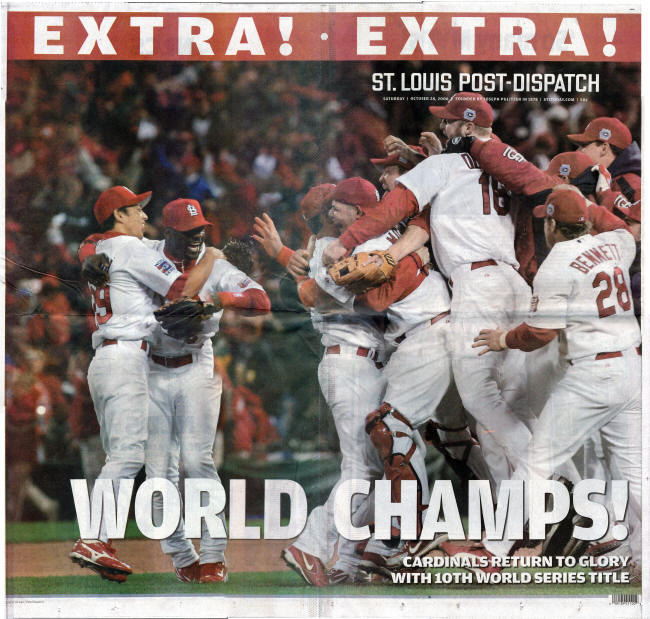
(51, 558)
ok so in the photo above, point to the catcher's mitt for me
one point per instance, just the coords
(361, 272)
(182, 318)
(95, 270)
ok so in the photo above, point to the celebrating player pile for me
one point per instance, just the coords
(582, 294)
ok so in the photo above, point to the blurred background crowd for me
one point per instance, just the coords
(243, 139)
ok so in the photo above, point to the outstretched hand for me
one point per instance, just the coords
(267, 235)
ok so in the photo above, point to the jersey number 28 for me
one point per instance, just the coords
(622, 293)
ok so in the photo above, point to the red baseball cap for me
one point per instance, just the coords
(116, 197)
(564, 205)
(316, 199)
(356, 191)
(394, 159)
(604, 129)
(183, 214)
(632, 212)
(571, 164)
(470, 106)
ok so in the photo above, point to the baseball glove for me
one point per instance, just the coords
(360, 273)
(182, 318)
(95, 270)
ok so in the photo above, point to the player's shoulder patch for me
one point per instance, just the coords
(245, 282)
(164, 266)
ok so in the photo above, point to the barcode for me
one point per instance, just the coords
(625, 598)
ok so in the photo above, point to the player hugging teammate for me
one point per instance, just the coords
(152, 381)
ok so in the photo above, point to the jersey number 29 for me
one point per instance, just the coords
(101, 302)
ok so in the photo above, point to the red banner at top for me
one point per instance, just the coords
(323, 36)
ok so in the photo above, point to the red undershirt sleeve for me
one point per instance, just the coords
(422, 220)
(393, 207)
(176, 289)
(511, 169)
(284, 256)
(407, 276)
(527, 338)
(252, 302)
(308, 291)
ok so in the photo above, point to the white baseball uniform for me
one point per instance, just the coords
(583, 290)
(118, 372)
(184, 400)
(472, 236)
(418, 375)
(350, 378)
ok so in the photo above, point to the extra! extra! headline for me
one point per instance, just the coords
(314, 36)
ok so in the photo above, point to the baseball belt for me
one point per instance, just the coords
(143, 345)
(478, 265)
(172, 362)
(609, 355)
(360, 352)
(400, 338)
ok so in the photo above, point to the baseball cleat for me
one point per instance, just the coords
(374, 563)
(608, 547)
(107, 573)
(213, 572)
(478, 557)
(414, 548)
(596, 549)
(100, 557)
(309, 567)
(189, 573)
(341, 577)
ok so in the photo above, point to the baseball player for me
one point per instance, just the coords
(608, 142)
(185, 392)
(391, 168)
(419, 382)
(472, 235)
(350, 378)
(582, 294)
(118, 373)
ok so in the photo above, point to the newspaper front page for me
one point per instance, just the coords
(459, 436)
